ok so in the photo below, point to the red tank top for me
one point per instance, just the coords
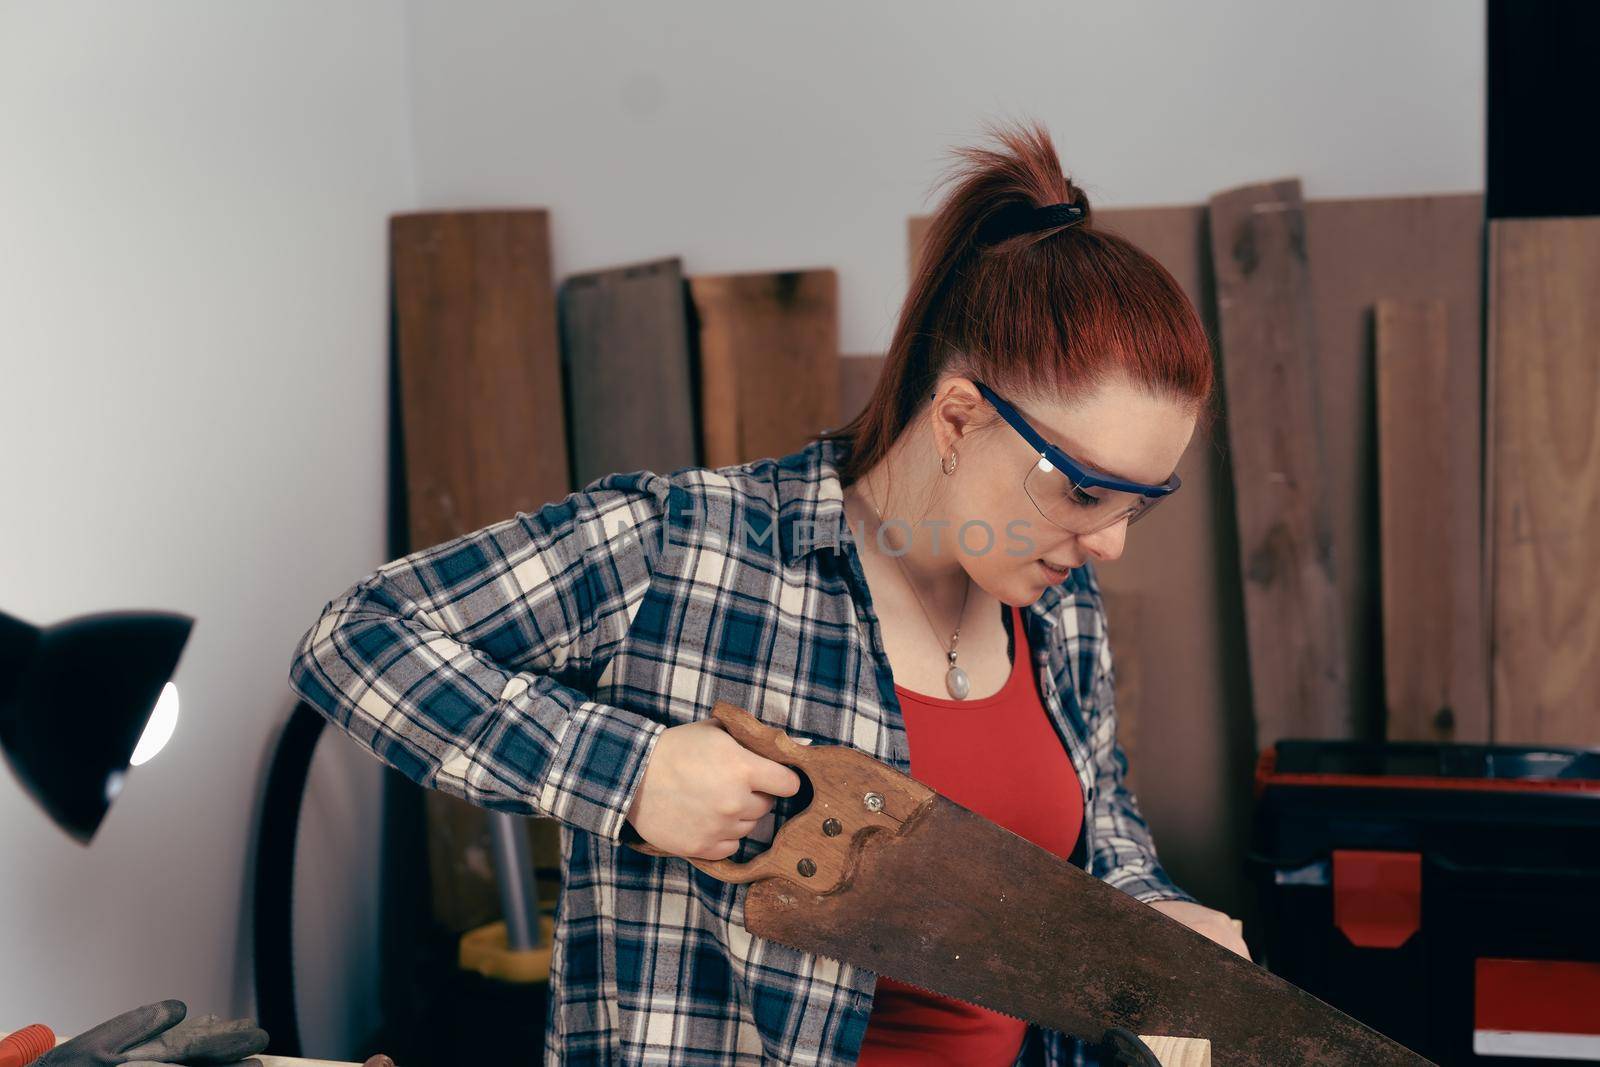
(1001, 757)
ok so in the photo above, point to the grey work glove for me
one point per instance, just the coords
(156, 1035)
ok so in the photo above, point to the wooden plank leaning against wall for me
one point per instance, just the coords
(476, 322)
(1421, 549)
(1298, 672)
(1544, 476)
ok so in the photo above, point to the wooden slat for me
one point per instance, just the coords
(484, 432)
(1544, 459)
(769, 362)
(1297, 664)
(1421, 546)
(625, 353)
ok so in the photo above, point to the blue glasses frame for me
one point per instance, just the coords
(1081, 474)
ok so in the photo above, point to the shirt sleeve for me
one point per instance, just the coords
(469, 666)
(1124, 852)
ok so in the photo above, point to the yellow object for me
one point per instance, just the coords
(486, 951)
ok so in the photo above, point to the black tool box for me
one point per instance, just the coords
(1446, 895)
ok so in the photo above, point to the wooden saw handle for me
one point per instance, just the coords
(852, 797)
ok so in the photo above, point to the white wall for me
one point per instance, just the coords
(749, 136)
(192, 206)
(192, 413)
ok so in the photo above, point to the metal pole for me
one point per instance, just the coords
(519, 888)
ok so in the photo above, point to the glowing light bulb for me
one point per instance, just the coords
(163, 721)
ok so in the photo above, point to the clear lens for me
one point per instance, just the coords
(1081, 509)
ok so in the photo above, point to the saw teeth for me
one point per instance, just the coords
(913, 985)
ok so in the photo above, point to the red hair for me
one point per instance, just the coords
(1058, 309)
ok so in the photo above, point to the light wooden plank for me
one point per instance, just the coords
(625, 354)
(1179, 1051)
(1544, 362)
(769, 361)
(1402, 248)
(1297, 664)
(1421, 547)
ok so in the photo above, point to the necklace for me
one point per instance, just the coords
(955, 679)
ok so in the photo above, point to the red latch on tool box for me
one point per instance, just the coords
(1377, 896)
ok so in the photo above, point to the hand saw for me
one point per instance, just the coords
(882, 872)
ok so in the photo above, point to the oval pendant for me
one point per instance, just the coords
(955, 680)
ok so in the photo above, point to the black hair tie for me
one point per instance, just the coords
(1015, 219)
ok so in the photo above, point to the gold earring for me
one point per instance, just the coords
(949, 468)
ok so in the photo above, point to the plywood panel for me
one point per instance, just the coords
(769, 361)
(1421, 547)
(1269, 361)
(625, 354)
(1544, 362)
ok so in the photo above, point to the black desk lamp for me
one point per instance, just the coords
(84, 700)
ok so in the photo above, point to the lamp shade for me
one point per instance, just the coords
(75, 699)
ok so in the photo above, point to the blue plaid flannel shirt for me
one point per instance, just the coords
(530, 666)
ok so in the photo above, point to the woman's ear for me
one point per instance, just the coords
(954, 412)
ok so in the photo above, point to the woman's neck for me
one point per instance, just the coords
(914, 536)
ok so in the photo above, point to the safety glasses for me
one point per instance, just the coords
(1073, 495)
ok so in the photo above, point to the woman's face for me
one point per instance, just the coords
(1117, 428)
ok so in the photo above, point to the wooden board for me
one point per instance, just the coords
(625, 354)
(858, 376)
(1421, 547)
(1180, 1051)
(478, 357)
(769, 361)
(485, 436)
(1404, 248)
(1544, 463)
(1269, 361)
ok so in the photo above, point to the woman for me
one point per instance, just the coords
(563, 663)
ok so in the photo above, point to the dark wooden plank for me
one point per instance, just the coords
(769, 361)
(1544, 462)
(1297, 664)
(1421, 548)
(484, 433)
(625, 353)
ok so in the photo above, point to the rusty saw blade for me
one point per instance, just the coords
(882, 872)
